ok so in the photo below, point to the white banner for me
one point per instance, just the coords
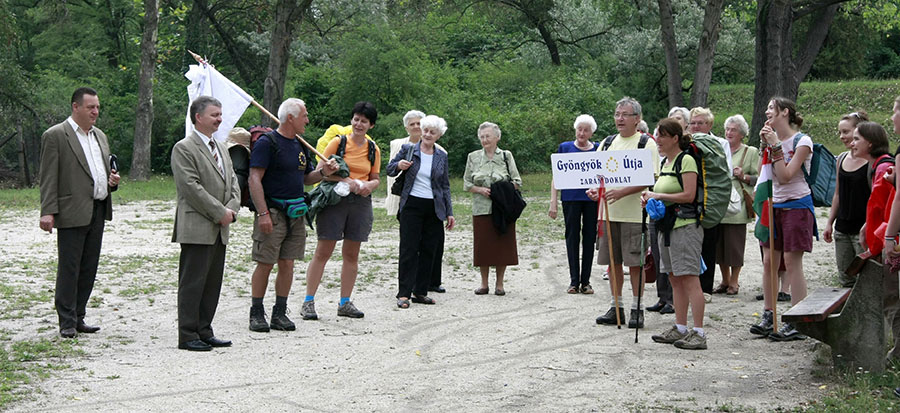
(582, 170)
(207, 81)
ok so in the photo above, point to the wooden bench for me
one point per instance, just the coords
(848, 320)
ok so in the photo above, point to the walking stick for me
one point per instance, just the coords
(641, 272)
(601, 201)
(264, 110)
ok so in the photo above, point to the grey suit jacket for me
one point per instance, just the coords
(67, 188)
(440, 178)
(203, 193)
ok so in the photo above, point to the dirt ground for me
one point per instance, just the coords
(537, 348)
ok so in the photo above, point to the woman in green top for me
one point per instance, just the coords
(679, 248)
(483, 168)
(733, 228)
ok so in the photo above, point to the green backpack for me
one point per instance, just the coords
(713, 180)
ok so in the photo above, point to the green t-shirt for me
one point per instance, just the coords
(668, 184)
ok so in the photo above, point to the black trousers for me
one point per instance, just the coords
(421, 234)
(710, 239)
(581, 231)
(663, 286)
(79, 254)
(200, 270)
(436, 268)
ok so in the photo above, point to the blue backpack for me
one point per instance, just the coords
(822, 173)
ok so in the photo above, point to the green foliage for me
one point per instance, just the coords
(23, 361)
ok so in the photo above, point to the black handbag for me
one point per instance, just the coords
(397, 187)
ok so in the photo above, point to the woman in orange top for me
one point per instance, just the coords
(350, 219)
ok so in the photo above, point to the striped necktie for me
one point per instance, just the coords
(215, 154)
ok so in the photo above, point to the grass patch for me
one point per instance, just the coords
(158, 188)
(25, 361)
(861, 392)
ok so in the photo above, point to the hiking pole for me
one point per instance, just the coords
(264, 110)
(641, 272)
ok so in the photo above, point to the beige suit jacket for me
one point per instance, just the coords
(67, 188)
(203, 193)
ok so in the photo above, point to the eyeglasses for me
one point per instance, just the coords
(620, 115)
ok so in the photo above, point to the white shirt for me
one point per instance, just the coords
(206, 141)
(95, 161)
(727, 148)
(422, 186)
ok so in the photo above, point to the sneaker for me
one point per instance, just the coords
(258, 320)
(586, 289)
(669, 336)
(764, 328)
(349, 310)
(606, 274)
(280, 321)
(787, 332)
(707, 297)
(308, 311)
(637, 319)
(784, 297)
(693, 341)
(610, 316)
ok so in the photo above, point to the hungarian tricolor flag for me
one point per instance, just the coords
(762, 198)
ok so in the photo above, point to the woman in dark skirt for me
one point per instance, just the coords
(483, 168)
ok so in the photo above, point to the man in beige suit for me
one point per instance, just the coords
(207, 201)
(76, 181)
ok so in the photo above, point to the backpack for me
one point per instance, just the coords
(713, 183)
(871, 172)
(641, 143)
(822, 173)
(342, 148)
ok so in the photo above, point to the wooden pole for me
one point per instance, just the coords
(265, 111)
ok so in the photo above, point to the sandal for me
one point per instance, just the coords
(721, 289)
(573, 289)
(422, 299)
(481, 291)
(732, 290)
(403, 303)
(586, 289)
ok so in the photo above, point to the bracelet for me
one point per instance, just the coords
(262, 214)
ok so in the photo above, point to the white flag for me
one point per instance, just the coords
(207, 81)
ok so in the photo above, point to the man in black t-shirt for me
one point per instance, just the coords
(279, 167)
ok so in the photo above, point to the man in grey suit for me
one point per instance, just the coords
(207, 201)
(76, 181)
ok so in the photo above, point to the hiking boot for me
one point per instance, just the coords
(610, 316)
(258, 319)
(787, 332)
(349, 310)
(308, 310)
(637, 319)
(784, 297)
(669, 336)
(693, 341)
(280, 321)
(764, 328)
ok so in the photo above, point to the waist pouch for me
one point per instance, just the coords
(667, 222)
(293, 208)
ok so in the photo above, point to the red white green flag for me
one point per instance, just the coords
(762, 197)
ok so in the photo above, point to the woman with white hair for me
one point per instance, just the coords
(412, 124)
(424, 204)
(579, 212)
(733, 228)
(682, 115)
(484, 167)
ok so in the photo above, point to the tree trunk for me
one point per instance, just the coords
(287, 14)
(775, 70)
(673, 69)
(23, 156)
(143, 124)
(709, 36)
(550, 42)
(193, 35)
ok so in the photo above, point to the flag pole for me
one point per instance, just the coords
(264, 110)
(601, 200)
(773, 269)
